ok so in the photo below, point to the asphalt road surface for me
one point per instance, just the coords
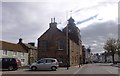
(98, 69)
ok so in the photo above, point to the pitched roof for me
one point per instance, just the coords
(30, 46)
(49, 30)
(11, 46)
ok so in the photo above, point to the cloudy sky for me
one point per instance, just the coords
(29, 19)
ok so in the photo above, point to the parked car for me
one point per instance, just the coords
(45, 64)
(10, 63)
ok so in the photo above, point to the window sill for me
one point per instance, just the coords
(60, 49)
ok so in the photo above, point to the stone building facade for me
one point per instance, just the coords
(64, 45)
(31, 49)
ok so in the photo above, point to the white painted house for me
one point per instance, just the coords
(12, 50)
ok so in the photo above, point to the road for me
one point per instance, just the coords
(85, 70)
(98, 70)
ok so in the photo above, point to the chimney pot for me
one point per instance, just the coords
(53, 24)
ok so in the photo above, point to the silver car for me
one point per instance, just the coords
(45, 63)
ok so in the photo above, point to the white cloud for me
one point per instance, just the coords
(30, 18)
(94, 44)
(96, 34)
(106, 11)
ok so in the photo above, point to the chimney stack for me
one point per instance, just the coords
(53, 24)
(20, 40)
(32, 43)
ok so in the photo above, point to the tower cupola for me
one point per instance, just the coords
(71, 21)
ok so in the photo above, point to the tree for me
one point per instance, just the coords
(118, 47)
(111, 47)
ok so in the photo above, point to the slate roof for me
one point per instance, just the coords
(11, 46)
(30, 46)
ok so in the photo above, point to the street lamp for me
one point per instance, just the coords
(67, 43)
(105, 56)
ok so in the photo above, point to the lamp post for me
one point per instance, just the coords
(67, 43)
(67, 48)
(105, 53)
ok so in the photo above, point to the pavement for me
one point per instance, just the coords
(108, 64)
(116, 65)
(27, 67)
(24, 67)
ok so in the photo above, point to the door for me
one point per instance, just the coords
(41, 64)
(0, 63)
(48, 64)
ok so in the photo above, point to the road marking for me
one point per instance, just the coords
(78, 70)
(109, 71)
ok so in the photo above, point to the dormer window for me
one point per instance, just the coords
(15, 53)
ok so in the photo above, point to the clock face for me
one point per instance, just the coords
(69, 30)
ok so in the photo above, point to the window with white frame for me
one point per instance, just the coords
(60, 44)
(22, 60)
(4, 52)
(23, 54)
